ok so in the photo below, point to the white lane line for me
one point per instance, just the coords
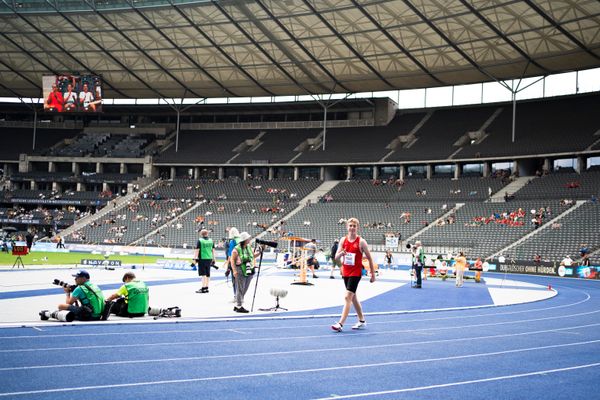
(295, 327)
(296, 317)
(445, 385)
(326, 336)
(37, 329)
(303, 371)
(236, 331)
(288, 352)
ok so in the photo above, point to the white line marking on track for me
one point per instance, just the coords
(326, 336)
(288, 352)
(37, 329)
(283, 317)
(311, 370)
(445, 385)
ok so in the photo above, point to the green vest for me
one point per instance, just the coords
(95, 298)
(206, 246)
(137, 297)
(247, 257)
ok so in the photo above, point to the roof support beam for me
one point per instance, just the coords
(561, 29)
(58, 46)
(347, 44)
(92, 5)
(218, 5)
(22, 75)
(450, 42)
(503, 36)
(396, 43)
(179, 49)
(108, 53)
(299, 44)
(219, 48)
(242, 7)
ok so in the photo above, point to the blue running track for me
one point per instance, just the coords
(541, 350)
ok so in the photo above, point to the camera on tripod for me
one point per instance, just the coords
(169, 312)
(266, 243)
(58, 282)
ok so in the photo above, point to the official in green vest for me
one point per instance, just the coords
(243, 267)
(205, 256)
(131, 298)
(86, 302)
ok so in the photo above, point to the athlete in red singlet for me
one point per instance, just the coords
(350, 253)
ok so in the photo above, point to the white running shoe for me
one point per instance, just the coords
(360, 325)
(337, 327)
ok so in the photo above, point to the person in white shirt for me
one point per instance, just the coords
(70, 99)
(86, 99)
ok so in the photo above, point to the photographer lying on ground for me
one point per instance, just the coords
(86, 301)
(132, 298)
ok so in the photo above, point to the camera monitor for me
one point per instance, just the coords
(72, 93)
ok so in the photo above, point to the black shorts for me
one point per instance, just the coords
(351, 283)
(204, 267)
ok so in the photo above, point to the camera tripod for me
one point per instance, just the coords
(276, 308)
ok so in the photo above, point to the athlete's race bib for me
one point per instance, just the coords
(349, 258)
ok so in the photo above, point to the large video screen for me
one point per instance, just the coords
(72, 93)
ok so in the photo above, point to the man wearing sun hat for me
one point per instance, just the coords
(87, 301)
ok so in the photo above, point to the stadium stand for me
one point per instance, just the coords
(326, 221)
(550, 126)
(562, 186)
(206, 147)
(451, 190)
(481, 229)
(20, 140)
(563, 237)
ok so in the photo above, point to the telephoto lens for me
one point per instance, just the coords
(61, 315)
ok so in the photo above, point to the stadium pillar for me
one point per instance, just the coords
(486, 169)
(177, 132)
(271, 173)
(245, 172)
(514, 114)
(429, 171)
(546, 166)
(457, 170)
(32, 185)
(56, 186)
(581, 164)
(172, 172)
(402, 172)
(34, 127)
(322, 174)
(99, 167)
(75, 168)
(296, 173)
(324, 126)
(196, 172)
(122, 168)
(375, 172)
(515, 167)
(221, 173)
(348, 173)
(51, 166)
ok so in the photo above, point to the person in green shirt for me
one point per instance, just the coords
(86, 302)
(131, 298)
(205, 256)
(243, 267)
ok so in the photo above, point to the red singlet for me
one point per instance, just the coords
(352, 261)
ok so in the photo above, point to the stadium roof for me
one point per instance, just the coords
(197, 49)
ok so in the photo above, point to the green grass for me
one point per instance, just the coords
(48, 258)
